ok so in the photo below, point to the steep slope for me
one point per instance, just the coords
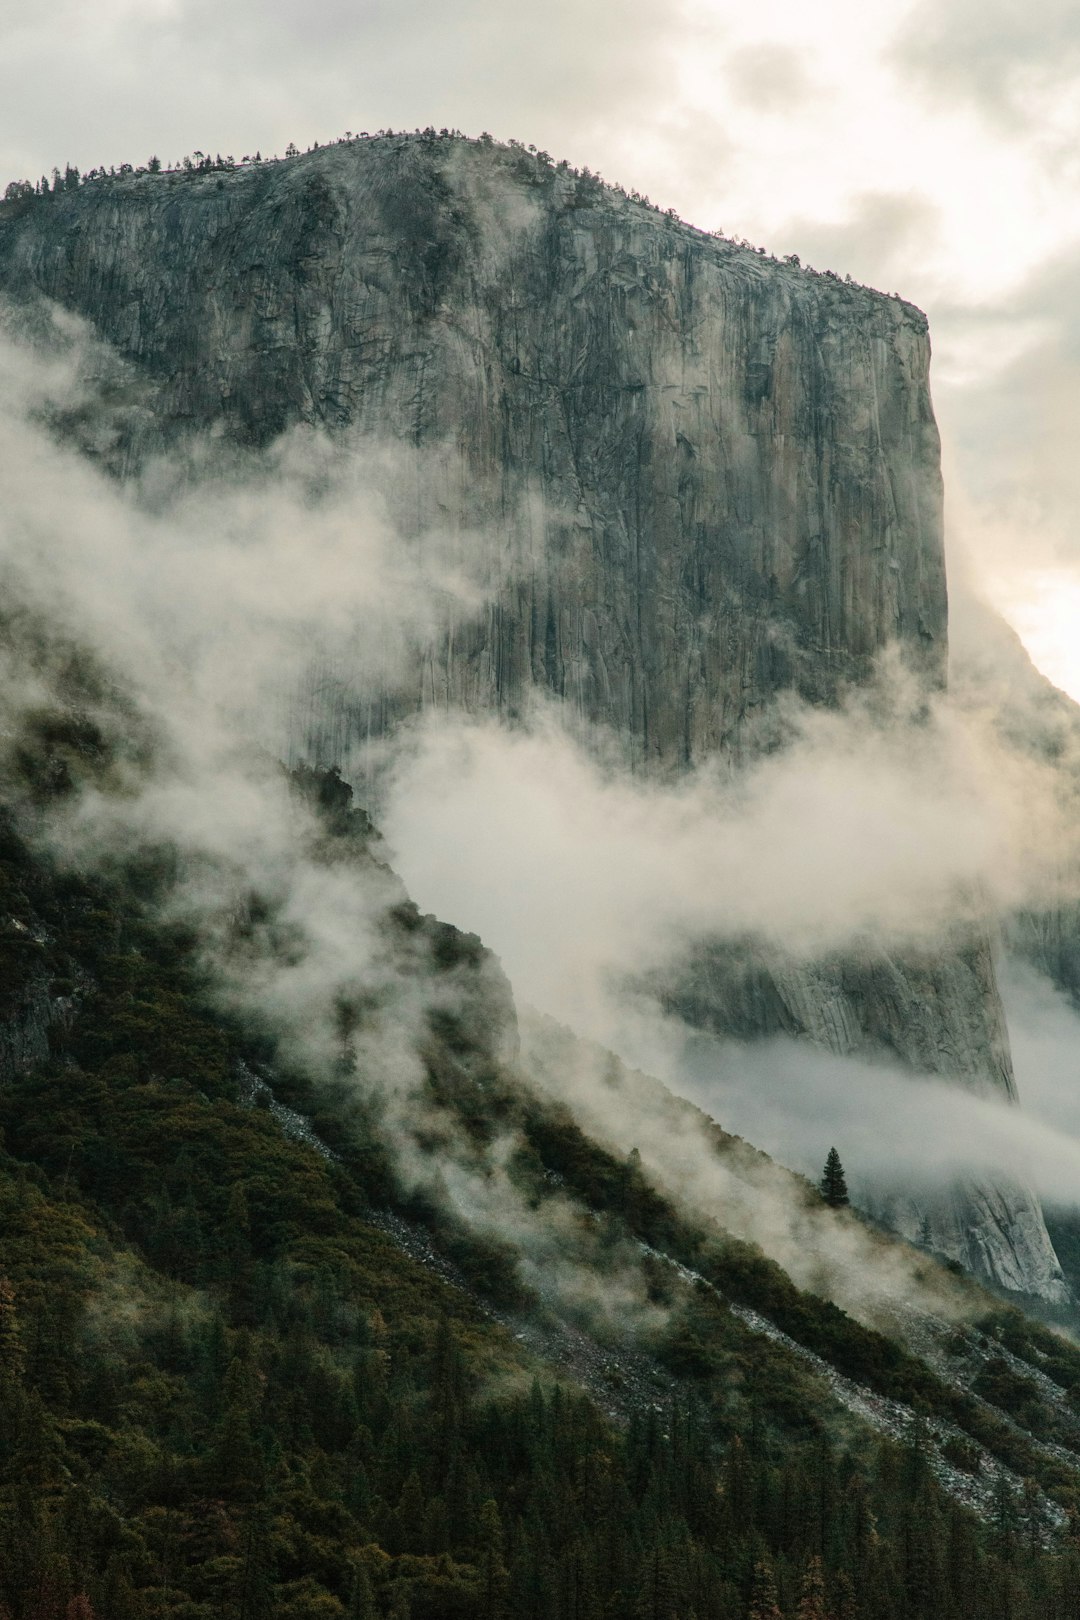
(687, 478)
(225, 1388)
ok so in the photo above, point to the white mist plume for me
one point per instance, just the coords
(204, 590)
(204, 598)
(208, 589)
(212, 592)
(889, 828)
(873, 1278)
(894, 1129)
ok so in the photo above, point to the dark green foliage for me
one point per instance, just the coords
(833, 1186)
(1008, 1389)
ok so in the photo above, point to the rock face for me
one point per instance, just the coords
(696, 478)
(707, 477)
(939, 1011)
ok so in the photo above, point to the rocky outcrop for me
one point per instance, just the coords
(703, 477)
(937, 1012)
(692, 478)
(25, 1028)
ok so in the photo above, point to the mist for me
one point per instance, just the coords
(889, 823)
(884, 827)
(211, 583)
(200, 593)
(893, 1129)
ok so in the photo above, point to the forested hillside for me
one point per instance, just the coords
(228, 1389)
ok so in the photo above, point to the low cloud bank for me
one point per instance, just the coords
(206, 589)
(887, 823)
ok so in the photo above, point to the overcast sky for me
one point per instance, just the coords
(929, 148)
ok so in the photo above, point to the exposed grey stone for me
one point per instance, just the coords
(699, 479)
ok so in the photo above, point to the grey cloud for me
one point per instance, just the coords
(884, 236)
(997, 53)
(1014, 433)
(230, 78)
(770, 77)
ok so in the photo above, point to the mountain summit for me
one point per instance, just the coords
(688, 479)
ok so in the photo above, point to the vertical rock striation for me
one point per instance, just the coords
(694, 479)
(704, 476)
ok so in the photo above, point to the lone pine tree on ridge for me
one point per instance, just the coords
(832, 1184)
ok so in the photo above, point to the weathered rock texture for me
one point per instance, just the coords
(938, 1012)
(695, 477)
(707, 477)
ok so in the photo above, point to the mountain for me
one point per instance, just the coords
(705, 477)
(689, 479)
(334, 1283)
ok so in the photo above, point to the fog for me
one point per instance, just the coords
(886, 822)
(190, 601)
(891, 1127)
(208, 585)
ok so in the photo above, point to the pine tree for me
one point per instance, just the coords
(12, 1351)
(401, 1607)
(494, 1576)
(362, 1605)
(833, 1186)
(255, 1587)
(812, 1604)
(763, 1600)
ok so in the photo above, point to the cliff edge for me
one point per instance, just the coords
(698, 479)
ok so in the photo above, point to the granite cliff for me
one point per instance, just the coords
(698, 479)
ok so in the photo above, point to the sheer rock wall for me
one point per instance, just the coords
(691, 478)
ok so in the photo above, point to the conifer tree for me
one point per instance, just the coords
(255, 1594)
(494, 1576)
(812, 1604)
(12, 1352)
(400, 1608)
(362, 1605)
(764, 1604)
(833, 1186)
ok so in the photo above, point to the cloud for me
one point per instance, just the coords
(204, 591)
(210, 584)
(1014, 435)
(770, 77)
(876, 827)
(201, 592)
(883, 237)
(1007, 390)
(1006, 58)
(876, 1280)
(250, 75)
(897, 1132)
